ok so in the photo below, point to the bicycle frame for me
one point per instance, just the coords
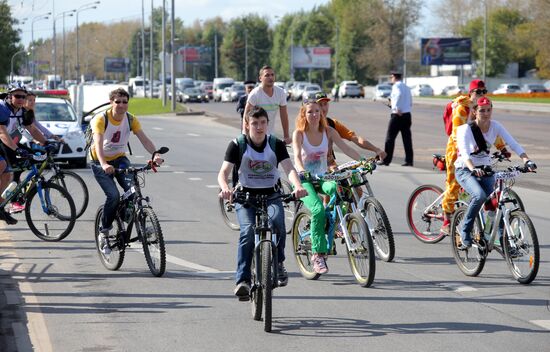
(34, 177)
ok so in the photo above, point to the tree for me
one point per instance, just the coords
(9, 44)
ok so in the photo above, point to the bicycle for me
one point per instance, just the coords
(371, 209)
(264, 259)
(424, 207)
(49, 208)
(519, 244)
(352, 227)
(134, 209)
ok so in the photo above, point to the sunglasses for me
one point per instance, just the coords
(19, 96)
(479, 91)
(121, 102)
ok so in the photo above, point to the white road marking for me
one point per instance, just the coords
(193, 135)
(458, 287)
(212, 186)
(542, 323)
(195, 179)
(139, 156)
(158, 128)
(179, 172)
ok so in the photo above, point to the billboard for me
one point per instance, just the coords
(446, 51)
(115, 64)
(200, 55)
(311, 57)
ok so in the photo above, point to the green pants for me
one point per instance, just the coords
(315, 205)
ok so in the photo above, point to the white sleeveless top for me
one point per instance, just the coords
(315, 157)
(116, 138)
(259, 169)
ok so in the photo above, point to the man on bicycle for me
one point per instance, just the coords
(13, 119)
(258, 174)
(111, 132)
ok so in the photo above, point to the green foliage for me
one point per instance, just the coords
(145, 106)
(9, 43)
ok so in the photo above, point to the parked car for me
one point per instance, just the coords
(237, 91)
(453, 90)
(507, 88)
(382, 91)
(349, 89)
(194, 95)
(547, 85)
(310, 91)
(298, 90)
(422, 90)
(534, 88)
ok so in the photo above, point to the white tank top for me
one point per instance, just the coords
(315, 157)
(259, 169)
(116, 138)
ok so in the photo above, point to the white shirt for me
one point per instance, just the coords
(270, 104)
(467, 145)
(314, 157)
(401, 98)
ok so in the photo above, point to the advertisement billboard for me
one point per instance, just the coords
(311, 57)
(115, 64)
(446, 51)
(201, 55)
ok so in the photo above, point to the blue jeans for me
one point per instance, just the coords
(247, 220)
(479, 189)
(107, 184)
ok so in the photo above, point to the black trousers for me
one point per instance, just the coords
(399, 124)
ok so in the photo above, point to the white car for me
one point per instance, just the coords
(58, 116)
(453, 90)
(349, 89)
(507, 88)
(310, 91)
(226, 95)
(422, 90)
(382, 91)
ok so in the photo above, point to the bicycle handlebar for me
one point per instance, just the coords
(245, 198)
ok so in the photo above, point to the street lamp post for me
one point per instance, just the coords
(61, 15)
(88, 6)
(13, 58)
(485, 42)
(36, 19)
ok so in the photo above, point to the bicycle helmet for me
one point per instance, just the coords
(16, 86)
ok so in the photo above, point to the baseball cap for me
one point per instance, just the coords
(321, 96)
(476, 83)
(484, 101)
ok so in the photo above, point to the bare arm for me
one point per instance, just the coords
(297, 141)
(36, 133)
(223, 177)
(6, 138)
(293, 177)
(334, 136)
(363, 143)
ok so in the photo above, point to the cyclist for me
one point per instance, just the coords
(461, 114)
(257, 174)
(344, 132)
(310, 142)
(108, 152)
(474, 142)
(13, 119)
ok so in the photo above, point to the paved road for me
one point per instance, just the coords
(60, 293)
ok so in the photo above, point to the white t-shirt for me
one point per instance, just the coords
(270, 104)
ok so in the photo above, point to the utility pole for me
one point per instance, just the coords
(245, 54)
(485, 42)
(164, 53)
(291, 56)
(172, 59)
(216, 52)
(151, 53)
(143, 46)
(336, 56)
(405, 52)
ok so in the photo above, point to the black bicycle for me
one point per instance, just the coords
(265, 259)
(134, 209)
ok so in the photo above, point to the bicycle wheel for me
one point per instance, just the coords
(153, 241)
(380, 229)
(229, 213)
(361, 254)
(425, 223)
(472, 260)
(76, 187)
(256, 291)
(513, 195)
(267, 282)
(301, 241)
(113, 260)
(50, 212)
(521, 248)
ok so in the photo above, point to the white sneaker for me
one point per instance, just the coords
(103, 242)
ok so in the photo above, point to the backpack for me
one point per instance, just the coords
(241, 142)
(89, 135)
(448, 118)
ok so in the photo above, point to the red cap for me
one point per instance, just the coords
(476, 83)
(484, 101)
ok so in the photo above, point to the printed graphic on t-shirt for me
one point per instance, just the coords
(116, 137)
(312, 163)
(260, 167)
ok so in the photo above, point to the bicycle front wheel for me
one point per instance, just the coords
(521, 248)
(290, 208)
(256, 292)
(229, 213)
(267, 282)
(472, 260)
(113, 260)
(361, 252)
(50, 212)
(76, 187)
(425, 221)
(153, 241)
(380, 229)
(513, 195)
(301, 241)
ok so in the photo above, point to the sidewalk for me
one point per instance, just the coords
(499, 105)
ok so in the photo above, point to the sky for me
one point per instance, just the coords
(187, 10)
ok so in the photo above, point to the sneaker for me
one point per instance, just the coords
(461, 245)
(446, 227)
(319, 264)
(10, 220)
(282, 275)
(16, 207)
(242, 291)
(103, 242)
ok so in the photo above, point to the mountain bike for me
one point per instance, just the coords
(512, 234)
(352, 229)
(134, 209)
(424, 207)
(264, 259)
(49, 208)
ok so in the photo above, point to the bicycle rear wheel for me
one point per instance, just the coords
(267, 282)
(229, 213)
(301, 241)
(112, 261)
(472, 260)
(380, 229)
(152, 240)
(361, 254)
(290, 208)
(256, 291)
(521, 248)
(50, 212)
(76, 187)
(425, 223)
